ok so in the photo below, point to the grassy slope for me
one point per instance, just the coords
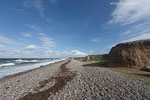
(99, 58)
(96, 58)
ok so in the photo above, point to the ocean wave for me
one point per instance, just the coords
(24, 67)
(25, 61)
(7, 64)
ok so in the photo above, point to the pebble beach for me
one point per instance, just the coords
(71, 80)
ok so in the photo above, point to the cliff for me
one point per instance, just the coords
(130, 54)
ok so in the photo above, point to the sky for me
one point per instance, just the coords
(70, 28)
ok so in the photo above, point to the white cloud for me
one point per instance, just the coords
(28, 51)
(36, 5)
(1, 46)
(20, 10)
(27, 35)
(73, 53)
(34, 27)
(137, 29)
(36, 51)
(96, 40)
(31, 47)
(134, 38)
(6, 51)
(131, 11)
(135, 17)
(6, 40)
(138, 37)
(23, 40)
(78, 53)
(46, 40)
(42, 34)
(91, 52)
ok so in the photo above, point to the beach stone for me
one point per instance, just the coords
(97, 83)
(90, 83)
(146, 69)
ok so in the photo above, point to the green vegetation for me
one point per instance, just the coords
(139, 78)
(98, 58)
(81, 58)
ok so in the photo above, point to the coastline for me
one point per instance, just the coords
(72, 79)
(18, 85)
(27, 71)
(60, 79)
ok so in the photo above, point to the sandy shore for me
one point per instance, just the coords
(72, 80)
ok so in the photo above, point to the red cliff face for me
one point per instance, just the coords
(130, 54)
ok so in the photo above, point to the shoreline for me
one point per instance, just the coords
(32, 81)
(67, 80)
(27, 71)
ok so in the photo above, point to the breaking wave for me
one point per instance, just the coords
(25, 61)
(7, 64)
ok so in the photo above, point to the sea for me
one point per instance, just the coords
(9, 66)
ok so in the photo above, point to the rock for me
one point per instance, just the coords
(130, 54)
(88, 58)
(145, 69)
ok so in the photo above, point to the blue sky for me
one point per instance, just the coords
(69, 28)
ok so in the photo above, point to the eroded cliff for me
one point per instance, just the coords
(130, 54)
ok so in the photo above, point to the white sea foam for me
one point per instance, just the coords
(14, 69)
(7, 64)
(25, 61)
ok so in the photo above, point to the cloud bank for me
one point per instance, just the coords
(33, 51)
(6, 40)
(46, 40)
(73, 53)
(134, 16)
(131, 11)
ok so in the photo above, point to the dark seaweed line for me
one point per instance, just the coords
(61, 79)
